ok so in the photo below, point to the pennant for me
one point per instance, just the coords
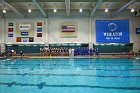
(10, 29)
(39, 34)
(18, 39)
(39, 23)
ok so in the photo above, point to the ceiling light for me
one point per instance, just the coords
(54, 10)
(29, 10)
(106, 10)
(132, 10)
(4, 11)
(80, 10)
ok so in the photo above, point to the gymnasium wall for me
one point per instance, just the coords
(135, 38)
(30, 19)
(51, 27)
(81, 21)
(1, 31)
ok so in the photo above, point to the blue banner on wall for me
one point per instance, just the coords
(112, 31)
(39, 29)
(25, 39)
(137, 30)
(10, 34)
(24, 33)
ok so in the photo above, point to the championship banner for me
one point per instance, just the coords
(39, 34)
(24, 26)
(10, 29)
(39, 23)
(137, 30)
(24, 33)
(25, 39)
(10, 24)
(18, 39)
(10, 34)
(24, 29)
(112, 31)
(39, 29)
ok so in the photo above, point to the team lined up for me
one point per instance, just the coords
(69, 51)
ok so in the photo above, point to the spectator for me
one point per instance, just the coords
(21, 54)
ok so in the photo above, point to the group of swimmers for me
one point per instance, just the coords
(68, 51)
(53, 51)
(9, 52)
(86, 51)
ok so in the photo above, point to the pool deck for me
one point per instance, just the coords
(1, 58)
(101, 56)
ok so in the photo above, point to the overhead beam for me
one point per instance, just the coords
(14, 9)
(1, 1)
(96, 7)
(123, 8)
(67, 3)
(71, 0)
(40, 8)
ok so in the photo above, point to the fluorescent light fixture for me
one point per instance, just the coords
(80, 10)
(4, 11)
(132, 10)
(54, 10)
(29, 10)
(106, 10)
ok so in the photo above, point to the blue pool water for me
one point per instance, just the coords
(81, 75)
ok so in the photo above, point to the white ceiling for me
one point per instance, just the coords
(60, 5)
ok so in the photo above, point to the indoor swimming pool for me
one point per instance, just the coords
(70, 75)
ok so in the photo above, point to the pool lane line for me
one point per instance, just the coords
(41, 85)
(71, 75)
(57, 65)
(57, 62)
(73, 69)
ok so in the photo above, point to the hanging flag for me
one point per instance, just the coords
(10, 29)
(31, 39)
(18, 39)
(68, 28)
(39, 34)
(137, 30)
(39, 29)
(25, 40)
(39, 23)
(10, 34)
(24, 33)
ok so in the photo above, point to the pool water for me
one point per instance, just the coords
(69, 75)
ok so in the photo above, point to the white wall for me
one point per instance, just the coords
(54, 27)
(135, 38)
(0, 38)
(51, 28)
(0, 30)
(30, 18)
(2, 33)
